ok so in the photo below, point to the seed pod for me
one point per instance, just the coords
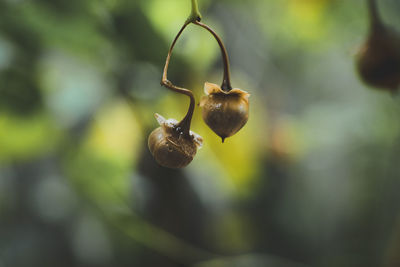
(224, 112)
(169, 145)
(378, 60)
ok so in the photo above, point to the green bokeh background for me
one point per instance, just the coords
(312, 180)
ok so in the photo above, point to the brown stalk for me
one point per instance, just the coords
(226, 82)
(184, 124)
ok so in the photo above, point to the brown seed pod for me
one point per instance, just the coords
(224, 112)
(170, 146)
(378, 60)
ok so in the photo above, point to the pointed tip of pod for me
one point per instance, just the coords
(223, 139)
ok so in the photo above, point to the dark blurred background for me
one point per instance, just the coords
(312, 180)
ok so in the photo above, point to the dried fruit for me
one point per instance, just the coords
(225, 112)
(170, 146)
(378, 60)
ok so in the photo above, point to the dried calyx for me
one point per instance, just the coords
(378, 61)
(225, 110)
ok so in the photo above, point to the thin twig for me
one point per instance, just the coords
(226, 82)
(185, 122)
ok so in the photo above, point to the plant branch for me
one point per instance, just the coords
(184, 124)
(226, 82)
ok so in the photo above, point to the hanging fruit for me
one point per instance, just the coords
(172, 144)
(225, 110)
(378, 60)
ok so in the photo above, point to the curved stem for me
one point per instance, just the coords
(165, 72)
(375, 19)
(184, 124)
(195, 13)
(226, 82)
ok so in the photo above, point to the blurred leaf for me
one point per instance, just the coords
(24, 138)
